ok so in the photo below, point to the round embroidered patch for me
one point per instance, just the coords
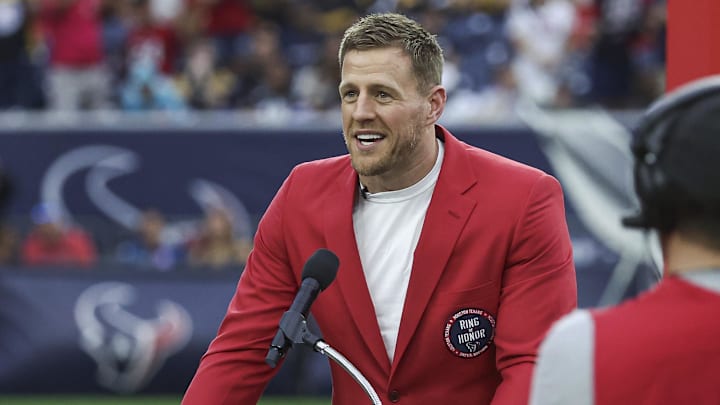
(469, 332)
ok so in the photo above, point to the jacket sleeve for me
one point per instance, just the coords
(565, 364)
(538, 287)
(233, 370)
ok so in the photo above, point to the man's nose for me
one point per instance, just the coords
(363, 108)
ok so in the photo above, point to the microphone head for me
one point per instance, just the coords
(322, 266)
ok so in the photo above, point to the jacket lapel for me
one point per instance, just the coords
(340, 237)
(447, 215)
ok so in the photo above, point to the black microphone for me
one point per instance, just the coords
(319, 271)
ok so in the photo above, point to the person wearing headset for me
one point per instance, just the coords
(664, 345)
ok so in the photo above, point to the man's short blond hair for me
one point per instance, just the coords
(389, 30)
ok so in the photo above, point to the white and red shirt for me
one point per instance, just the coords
(662, 347)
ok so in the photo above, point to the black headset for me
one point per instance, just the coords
(660, 196)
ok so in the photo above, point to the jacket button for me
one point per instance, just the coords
(394, 396)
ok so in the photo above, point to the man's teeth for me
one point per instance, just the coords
(368, 139)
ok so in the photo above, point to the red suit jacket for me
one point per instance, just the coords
(494, 252)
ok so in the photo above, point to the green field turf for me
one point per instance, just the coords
(131, 400)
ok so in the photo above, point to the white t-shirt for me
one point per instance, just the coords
(387, 228)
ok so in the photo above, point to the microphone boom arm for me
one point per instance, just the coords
(294, 330)
(319, 271)
(321, 347)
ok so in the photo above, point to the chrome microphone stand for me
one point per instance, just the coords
(321, 347)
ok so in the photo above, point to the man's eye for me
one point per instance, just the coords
(383, 95)
(349, 94)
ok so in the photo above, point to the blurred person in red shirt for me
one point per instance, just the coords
(77, 75)
(54, 242)
(227, 22)
(151, 38)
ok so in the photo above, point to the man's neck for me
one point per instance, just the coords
(683, 255)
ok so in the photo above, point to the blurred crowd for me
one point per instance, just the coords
(220, 240)
(138, 55)
(281, 56)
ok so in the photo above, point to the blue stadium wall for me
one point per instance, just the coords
(57, 333)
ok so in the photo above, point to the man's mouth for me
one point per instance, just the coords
(368, 139)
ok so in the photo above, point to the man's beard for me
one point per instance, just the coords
(400, 155)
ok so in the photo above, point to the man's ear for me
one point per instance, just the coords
(436, 99)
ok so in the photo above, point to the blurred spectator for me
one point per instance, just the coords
(115, 30)
(273, 93)
(621, 25)
(6, 189)
(264, 77)
(202, 84)
(226, 22)
(20, 77)
(436, 20)
(151, 57)
(53, 242)
(151, 39)
(540, 30)
(476, 41)
(8, 236)
(217, 245)
(77, 77)
(150, 248)
(649, 53)
(316, 86)
(305, 26)
(8, 245)
(574, 84)
(167, 12)
(146, 88)
(495, 103)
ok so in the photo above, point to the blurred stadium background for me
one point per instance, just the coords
(148, 136)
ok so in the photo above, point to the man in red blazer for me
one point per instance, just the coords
(453, 261)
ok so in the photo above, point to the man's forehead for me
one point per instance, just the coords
(389, 50)
(376, 63)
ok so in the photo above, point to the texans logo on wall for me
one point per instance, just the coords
(127, 348)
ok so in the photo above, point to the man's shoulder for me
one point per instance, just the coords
(331, 166)
(489, 162)
(670, 294)
(493, 161)
(321, 176)
(514, 179)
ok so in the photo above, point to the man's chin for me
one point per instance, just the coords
(367, 168)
